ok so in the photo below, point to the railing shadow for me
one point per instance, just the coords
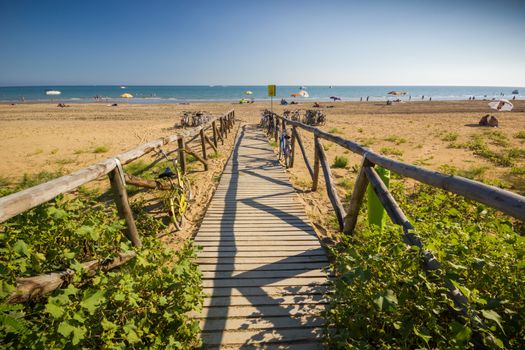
(295, 307)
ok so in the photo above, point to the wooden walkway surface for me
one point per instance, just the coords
(264, 269)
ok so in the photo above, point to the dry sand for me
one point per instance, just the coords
(44, 137)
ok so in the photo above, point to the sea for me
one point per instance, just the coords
(219, 93)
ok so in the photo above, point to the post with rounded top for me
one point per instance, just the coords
(292, 156)
(120, 196)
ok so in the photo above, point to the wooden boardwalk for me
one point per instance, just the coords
(264, 269)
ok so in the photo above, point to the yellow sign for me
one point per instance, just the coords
(272, 89)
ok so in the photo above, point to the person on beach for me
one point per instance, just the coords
(423, 97)
(367, 98)
(361, 100)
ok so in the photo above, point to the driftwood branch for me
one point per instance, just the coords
(140, 182)
(29, 288)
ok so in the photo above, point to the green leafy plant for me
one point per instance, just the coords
(101, 149)
(383, 298)
(340, 162)
(391, 151)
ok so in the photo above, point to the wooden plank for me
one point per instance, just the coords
(265, 300)
(262, 323)
(303, 273)
(259, 337)
(260, 311)
(267, 260)
(267, 290)
(270, 282)
(262, 266)
(247, 254)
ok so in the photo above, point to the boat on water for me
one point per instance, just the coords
(515, 92)
(303, 88)
(122, 87)
(53, 92)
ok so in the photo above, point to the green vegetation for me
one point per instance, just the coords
(346, 184)
(340, 162)
(334, 131)
(504, 157)
(367, 142)
(360, 130)
(383, 298)
(497, 138)
(391, 151)
(65, 161)
(54, 151)
(475, 173)
(518, 170)
(101, 149)
(214, 155)
(520, 135)
(450, 136)
(327, 146)
(142, 304)
(38, 151)
(396, 139)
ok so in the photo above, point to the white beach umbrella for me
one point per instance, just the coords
(248, 92)
(304, 93)
(502, 105)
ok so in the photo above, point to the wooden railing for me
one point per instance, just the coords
(19, 202)
(508, 202)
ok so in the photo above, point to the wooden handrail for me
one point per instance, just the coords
(508, 202)
(19, 202)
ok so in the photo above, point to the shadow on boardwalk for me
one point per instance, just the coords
(263, 267)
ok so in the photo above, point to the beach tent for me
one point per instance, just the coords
(396, 93)
(302, 93)
(126, 95)
(335, 98)
(502, 105)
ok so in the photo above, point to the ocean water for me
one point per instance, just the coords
(178, 94)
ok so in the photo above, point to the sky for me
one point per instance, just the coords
(447, 42)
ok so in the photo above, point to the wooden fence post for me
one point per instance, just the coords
(121, 199)
(276, 129)
(303, 151)
(203, 144)
(292, 158)
(358, 194)
(315, 178)
(329, 183)
(214, 128)
(182, 156)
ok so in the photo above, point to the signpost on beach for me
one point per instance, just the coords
(272, 89)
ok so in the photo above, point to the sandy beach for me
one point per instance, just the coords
(44, 137)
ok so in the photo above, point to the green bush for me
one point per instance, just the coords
(143, 304)
(340, 162)
(384, 299)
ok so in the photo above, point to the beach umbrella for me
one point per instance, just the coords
(396, 93)
(502, 105)
(53, 92)
(126, 95)
(335, 98)
(304, 93)
(248, 92)
(295, 95)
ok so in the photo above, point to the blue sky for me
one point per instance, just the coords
(195, 42)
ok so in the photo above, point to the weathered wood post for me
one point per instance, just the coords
(358, 194)
(203, 144)
(303, 152)
(182, 156)
(294, 131)
(214, 128)
(315, 179)
(276, 128)
(124, 210)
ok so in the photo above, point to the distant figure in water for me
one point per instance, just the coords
(514, 98)
(423, 97)
(361, 100)
(473, 98)
(367, 98)
(430, 98)
(410, 97)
